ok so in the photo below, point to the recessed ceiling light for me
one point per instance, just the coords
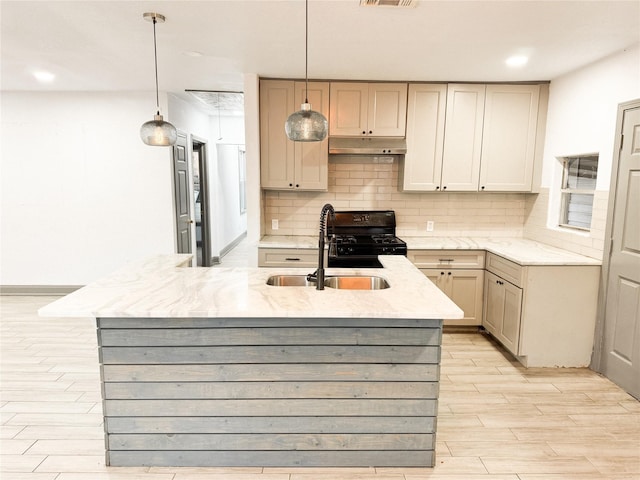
(517, 61)
(44, 77)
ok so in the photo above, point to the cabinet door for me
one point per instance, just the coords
(465, 288)
(348, 109)
(311, 163)
(509, 138)
(387, 111)
(502, 311)
(425, 137)
(276, 150)
(493, 304)
(463, 137)
(510, 333)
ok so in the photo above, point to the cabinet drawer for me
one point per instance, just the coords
(508, 270)
(455, 259)
(287, 257)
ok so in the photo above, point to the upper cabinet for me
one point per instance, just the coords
(492, 142)
(509, 138)
(285, 164)
(368, 109)
(422, 166)
(463, 137)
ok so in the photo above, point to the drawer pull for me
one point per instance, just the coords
(292, 259)
(445, 259)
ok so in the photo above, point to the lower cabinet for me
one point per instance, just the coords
(460, 275)
(502, 310)
(464, 287)
(543, 314)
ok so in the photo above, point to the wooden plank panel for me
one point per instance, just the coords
(104, 323)
(273, 459)
(307, 354)
(300, 424)
(269, 373)
(193, 337)
(265, 407)
(254, 442)
(247, 390)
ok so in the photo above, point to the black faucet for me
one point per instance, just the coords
(318, 275)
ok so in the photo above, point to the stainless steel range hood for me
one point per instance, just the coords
(367, 146)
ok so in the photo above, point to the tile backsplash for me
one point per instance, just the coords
(589, 243)
(354, 185)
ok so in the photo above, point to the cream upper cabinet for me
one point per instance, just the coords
(509, 138)
(368, 109)
(285, 164)
(463, 137)
(422, 166)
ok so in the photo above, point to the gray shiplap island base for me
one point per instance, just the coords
(325, 389)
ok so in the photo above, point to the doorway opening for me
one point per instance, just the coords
(201, 202)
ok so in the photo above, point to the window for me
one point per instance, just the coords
(578, 187)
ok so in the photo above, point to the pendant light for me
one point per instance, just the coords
(306, 125)
(157, 132)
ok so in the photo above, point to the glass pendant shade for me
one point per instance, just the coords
(158, 133)
(306, 125)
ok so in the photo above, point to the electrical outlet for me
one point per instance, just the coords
(430, 226)
(274, 224)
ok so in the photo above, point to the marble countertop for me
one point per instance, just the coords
(162, 286)
(519, 250)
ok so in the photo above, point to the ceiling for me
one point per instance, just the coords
(209, 45)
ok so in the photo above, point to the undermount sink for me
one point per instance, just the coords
(346, 282)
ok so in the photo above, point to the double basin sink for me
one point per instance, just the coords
(346, 282)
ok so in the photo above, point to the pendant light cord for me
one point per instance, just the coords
(306, 51)
(155, 56)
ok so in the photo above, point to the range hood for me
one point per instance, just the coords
(367, 146)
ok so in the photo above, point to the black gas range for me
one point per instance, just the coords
(358, 237)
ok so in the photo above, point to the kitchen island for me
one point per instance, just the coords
(213, 367)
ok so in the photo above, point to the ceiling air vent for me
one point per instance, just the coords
(388, 3)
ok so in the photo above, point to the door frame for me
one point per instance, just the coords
(200, 145)
(598, 357)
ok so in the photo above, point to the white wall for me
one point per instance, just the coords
(81, 194)
(582, 114)
(583, 106)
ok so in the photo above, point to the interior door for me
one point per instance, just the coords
(184, 219)
(621, 356)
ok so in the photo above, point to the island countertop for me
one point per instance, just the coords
(162, 286)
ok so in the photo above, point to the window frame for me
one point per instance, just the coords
(566, 191)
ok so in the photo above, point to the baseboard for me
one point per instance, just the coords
(38, 290)
(232, 245)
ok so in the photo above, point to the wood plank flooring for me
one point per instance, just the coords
(496, 420)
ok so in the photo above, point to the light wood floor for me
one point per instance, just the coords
(496, 419)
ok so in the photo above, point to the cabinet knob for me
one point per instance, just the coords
(291, 184)
(297, 185)
(364, 132)
(441, 273)
(449, 273)
(444, 188)
(482, 187)
(438, 187)
(370, 132)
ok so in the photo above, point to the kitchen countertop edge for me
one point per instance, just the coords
(522, 251)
